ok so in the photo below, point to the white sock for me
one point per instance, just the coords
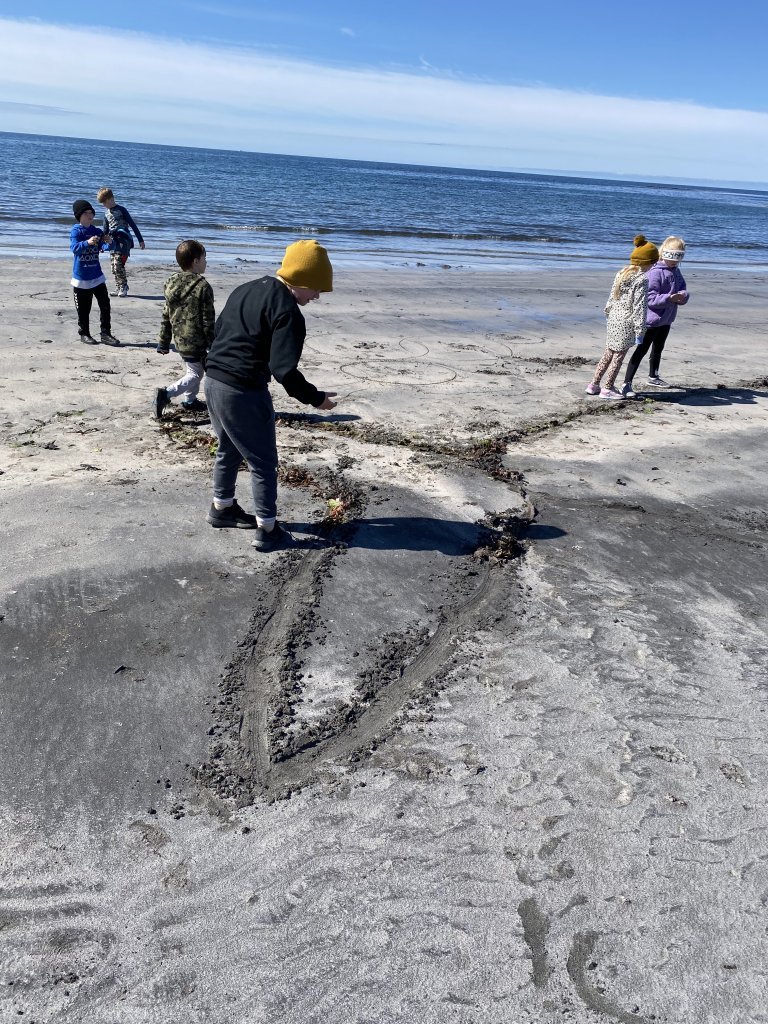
(266, 524)
(222, 503)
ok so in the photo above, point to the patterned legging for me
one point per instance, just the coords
(118, 269)
(610, 364)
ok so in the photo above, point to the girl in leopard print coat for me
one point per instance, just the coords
(625, 312)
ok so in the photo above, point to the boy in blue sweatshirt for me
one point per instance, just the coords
(85, 241)
(119, 224)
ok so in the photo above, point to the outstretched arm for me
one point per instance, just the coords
(134, 229)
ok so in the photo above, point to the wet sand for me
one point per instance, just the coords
(451, 760)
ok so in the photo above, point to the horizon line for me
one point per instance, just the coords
(711, 183)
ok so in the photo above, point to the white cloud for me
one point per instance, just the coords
(347, 31)
(145, 88)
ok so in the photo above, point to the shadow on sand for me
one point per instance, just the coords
(720, 395)
(419, 533)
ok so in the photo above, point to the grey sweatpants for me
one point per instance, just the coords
(189, 384)
(244, 422)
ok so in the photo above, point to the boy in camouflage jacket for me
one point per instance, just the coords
(188, 318)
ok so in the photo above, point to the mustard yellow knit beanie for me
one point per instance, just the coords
(306, 265)
(645, 253)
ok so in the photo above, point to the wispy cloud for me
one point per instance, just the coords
(230, 97)
(272, 15)
(12, 107)
(347, 31)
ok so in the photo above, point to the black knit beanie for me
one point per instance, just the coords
(79, 207)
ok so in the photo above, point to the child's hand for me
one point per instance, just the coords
(142, 246)
(327, 403)
(95, 240)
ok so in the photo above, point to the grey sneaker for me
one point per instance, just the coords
(233, 517)
(658, 382)
(109, 339)
(87, 339)
(273, 540)
(162, 398)
(627, 391)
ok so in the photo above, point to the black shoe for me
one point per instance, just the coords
(161, 400)
(195, 406)
(109, 339)
(273, 540)
(88, 340)
(231, 517)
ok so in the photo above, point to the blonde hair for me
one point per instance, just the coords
(104, 193)
(623, 277)
(673, 242)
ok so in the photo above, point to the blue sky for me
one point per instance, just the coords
(659, 91)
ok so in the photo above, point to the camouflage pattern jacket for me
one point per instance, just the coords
(188, 315)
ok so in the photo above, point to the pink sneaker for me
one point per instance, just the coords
(611, 393)
(592, 389)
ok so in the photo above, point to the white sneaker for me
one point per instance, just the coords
(658, 382)
(627, 392)
(122, 293)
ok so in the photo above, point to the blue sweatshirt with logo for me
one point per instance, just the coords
(86, 269)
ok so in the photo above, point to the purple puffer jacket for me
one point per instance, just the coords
(663, 281)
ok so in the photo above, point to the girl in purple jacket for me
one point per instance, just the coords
(666, 291)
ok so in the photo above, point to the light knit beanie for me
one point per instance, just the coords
(306, 265)
(645, 253)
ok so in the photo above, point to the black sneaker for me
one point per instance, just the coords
(161, 400)
(231, 517)
(109, 339)
(273, 540)
(195, 406)
(87, 339)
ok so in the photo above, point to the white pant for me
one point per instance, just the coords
(189, 384)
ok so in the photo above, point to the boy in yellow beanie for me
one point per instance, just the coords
(259, 335)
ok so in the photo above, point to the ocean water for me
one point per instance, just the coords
(250, 205)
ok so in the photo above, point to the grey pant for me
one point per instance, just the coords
(189, 384)
(244, 422)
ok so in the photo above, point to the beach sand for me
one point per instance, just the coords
(455, 763)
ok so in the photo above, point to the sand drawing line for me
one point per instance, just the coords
(401, 344)
(415, 377)
(377, 719)
(262, 671)
(360, 726)
(578, 958)
(258, 751)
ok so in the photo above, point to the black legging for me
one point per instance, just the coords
(83, 302)
(654, 340)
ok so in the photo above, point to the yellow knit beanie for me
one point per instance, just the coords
(306, 265)
(645, 253)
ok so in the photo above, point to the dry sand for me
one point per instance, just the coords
(394, 775)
